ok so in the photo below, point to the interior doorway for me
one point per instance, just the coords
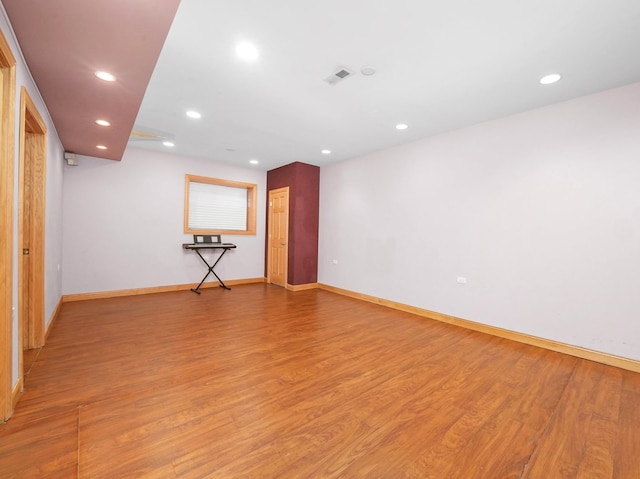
(31, 220)
(278, 236)
(7, 159)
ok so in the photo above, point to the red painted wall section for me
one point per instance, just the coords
(303, 181)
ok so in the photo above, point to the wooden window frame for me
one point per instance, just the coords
(252, 195)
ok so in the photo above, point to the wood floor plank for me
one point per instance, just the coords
(44, 448)
(627, 444)
(261, 382)
(578, 441)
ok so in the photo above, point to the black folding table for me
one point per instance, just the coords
(200, 246)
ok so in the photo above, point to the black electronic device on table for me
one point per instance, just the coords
(206, 239)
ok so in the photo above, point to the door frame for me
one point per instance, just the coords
(7, 160)
(31, 208)
(269, 230)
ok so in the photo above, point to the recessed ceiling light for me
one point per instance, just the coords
(402, 126)
(106, 76)
(254, 162)
(168, 143)
(247, 51)
(326, 152)
(101, 147)
(549, 79)
(103, 123)
(193, 114)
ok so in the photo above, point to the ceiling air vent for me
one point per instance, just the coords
(339, 75)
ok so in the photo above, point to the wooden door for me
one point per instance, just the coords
(31, 225)
(278, 249)
(25, 267)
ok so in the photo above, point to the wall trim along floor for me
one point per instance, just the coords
(156, 289)
(54, 316)
(577, 351)
(16, 392)
(301, 287)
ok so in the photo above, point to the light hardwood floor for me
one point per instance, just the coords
(260, 382)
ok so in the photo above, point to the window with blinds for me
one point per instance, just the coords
(219, 206)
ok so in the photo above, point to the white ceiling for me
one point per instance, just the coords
(440, 66)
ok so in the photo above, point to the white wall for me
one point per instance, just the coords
(123, 224)
(539, 211)
(53, 206)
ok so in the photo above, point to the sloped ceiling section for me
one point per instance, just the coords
(64, 43)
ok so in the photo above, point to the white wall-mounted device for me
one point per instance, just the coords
(70, 158)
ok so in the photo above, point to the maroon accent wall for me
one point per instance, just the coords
(303, 181)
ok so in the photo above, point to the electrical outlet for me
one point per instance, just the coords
(335, 261)
(462, 280)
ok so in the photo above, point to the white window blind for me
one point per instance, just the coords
(216, 207)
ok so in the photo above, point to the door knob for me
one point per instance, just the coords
(25, 251)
